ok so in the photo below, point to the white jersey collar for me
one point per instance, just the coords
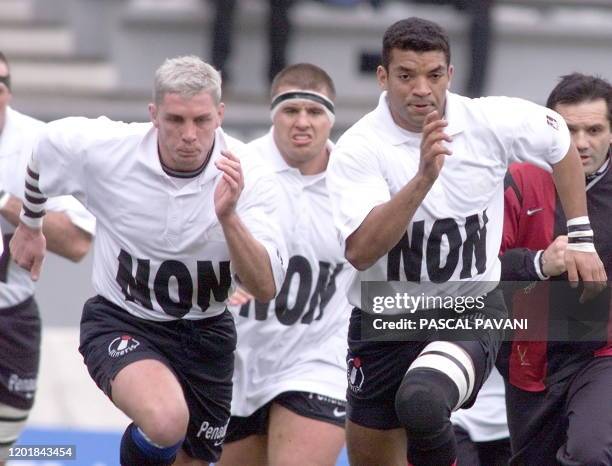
(150, 155)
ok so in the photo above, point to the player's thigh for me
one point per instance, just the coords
(146, 386)
(249, 451)
(295, 440)
(123, 355)
(374, 447)
(246, 440)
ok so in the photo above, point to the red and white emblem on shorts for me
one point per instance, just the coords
(355, 374)
(122, 345)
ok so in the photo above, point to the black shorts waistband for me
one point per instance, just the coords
(19, 307)
(99, 299)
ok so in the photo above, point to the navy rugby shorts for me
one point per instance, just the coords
(19, 354)
(199, 352)
(305, 404)
(375, 369)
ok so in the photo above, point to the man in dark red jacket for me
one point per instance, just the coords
(559, 372)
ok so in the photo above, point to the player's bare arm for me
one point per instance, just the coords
(63, 237)
(249, 258)
(580, 264)
(386, 223)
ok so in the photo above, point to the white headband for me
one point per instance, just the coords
(302, 95)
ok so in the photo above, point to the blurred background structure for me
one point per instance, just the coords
(92, 57)
(97, 57)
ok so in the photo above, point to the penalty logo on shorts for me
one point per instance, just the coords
(122, 345)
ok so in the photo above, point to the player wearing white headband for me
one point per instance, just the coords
(298, 95)
(288, 404)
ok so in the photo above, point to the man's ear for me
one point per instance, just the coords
(220, 113)
(382, 77)
(153, 114)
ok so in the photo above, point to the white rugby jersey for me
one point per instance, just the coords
(16, 142)
(455, 233)
(160, 252)
(297, 341)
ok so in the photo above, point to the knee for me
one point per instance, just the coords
(421, 405)
(166, 424)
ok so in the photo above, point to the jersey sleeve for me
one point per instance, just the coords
(356, 185)
(258, 208)
(78, 215)
(531, 133)
(59, 157)
(72, 150)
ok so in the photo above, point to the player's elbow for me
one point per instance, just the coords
(265, 292)
(357, 259)
(78, 248)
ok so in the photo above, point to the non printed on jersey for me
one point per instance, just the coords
(160, 252)
(296, 342)
(455, 233)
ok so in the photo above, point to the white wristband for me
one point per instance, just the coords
(581, 247)
(580, 234)
(35, 223)
(578, 221)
